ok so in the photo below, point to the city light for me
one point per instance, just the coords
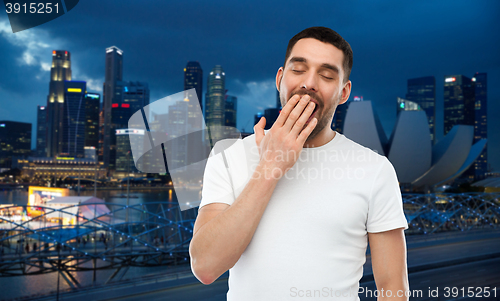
(93, 96)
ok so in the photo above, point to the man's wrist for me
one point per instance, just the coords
(267, 172)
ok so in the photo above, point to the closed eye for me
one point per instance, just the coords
(298, 71)
(326, 77)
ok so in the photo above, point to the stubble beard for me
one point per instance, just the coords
(323, 121)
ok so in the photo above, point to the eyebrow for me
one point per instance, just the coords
(324, 65)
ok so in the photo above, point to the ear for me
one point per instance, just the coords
(279, 76)
(346, 91)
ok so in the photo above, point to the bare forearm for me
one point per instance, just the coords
(218, 244)
(393, 291)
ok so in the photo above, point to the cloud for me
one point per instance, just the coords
(34, 45)
(93, 84)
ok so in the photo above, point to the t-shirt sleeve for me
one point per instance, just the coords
(217, 186)
(385, 209)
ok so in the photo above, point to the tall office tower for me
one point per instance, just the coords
(60, 72)
(193, 78)
(124, 159)
(41, 131)
(92, 108)
(130, 98)
(73, 130)
(154, 158)
(422, 91)
(120, 114)
(136, 94)
(481, 121)
(406, 105)
(215, 102)
(112, 94)
(230, 111)
(15, 141)
(100, 149)
(177, 120)
(458, 101)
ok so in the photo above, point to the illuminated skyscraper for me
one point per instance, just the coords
(73, 138)
(230, 111)
(458, 101)
(215, 101)
(41, 131)
(120, 114)
(92, 108)
(406, 105)
(112, 94)
(481, 121)
(135, 94)
(465, 102)
(60, 72)
(422, 91)
(124, 159)
(193, 78)
(15, 140)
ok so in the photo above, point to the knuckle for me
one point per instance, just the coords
(300, 122)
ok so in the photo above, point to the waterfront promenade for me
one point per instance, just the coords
(460, 259)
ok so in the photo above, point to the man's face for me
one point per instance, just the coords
(315, 68)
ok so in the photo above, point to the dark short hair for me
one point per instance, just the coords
(325, 35)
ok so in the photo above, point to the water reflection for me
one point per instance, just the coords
(25, 285)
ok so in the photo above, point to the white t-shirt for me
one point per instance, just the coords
(312, 238)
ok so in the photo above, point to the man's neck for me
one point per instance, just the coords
(321, 138)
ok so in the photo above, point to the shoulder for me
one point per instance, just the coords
(359, 153)
(236, 149)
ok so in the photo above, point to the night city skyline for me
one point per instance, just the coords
(392, 42)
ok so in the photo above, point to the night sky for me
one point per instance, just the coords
(392, 42)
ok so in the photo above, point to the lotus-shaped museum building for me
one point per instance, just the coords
(417, 162)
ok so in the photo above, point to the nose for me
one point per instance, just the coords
(310, 82)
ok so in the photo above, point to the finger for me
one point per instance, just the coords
(259, 130)
(307, 131)
(296, 112)
(285, 111)
(299, 124)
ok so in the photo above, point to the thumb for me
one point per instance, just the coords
(259, 130)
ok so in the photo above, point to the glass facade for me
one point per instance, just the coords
(422, 91)
(111, 95)
(74, 119)
(59, 73)
(41, 131)
(458, 101)
(215, 101)
(15, 141)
